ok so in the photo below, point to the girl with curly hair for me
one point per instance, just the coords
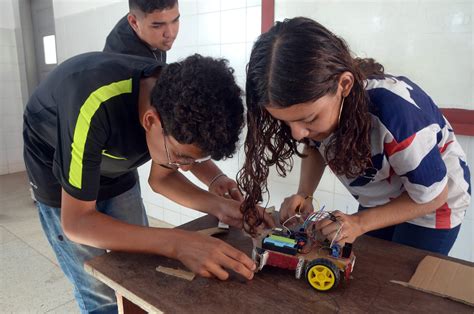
(381, 135)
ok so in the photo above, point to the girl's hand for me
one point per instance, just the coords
(348, 225)
(296, 204)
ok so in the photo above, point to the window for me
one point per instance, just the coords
(49, 45)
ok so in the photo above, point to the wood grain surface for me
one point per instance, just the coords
(273, 290)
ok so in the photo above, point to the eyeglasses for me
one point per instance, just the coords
(186, 161)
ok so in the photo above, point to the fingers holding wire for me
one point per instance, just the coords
(296, 208)
(337, 233)
(331, 227)
(291, 221)
(307, 207)
(341, 228)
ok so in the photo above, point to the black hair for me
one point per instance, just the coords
(148, 6)
(200, 103)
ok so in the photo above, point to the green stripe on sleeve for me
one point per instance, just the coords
(88, 109)
(104, 152)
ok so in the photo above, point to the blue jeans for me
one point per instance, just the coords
(434, 240)
(91, 295)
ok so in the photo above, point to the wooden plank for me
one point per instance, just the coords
(127, 307)
(121, 291)
(186, 275)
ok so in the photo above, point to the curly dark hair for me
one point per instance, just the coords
(297, 61)
(200, 103)
(148, 6)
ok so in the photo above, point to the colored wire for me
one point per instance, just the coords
(286, 221)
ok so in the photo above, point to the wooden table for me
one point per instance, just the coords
(272, 290)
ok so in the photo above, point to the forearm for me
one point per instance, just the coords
(98, 230)
(399, 210)
(179, 189)
(312, 168)
(206, 171)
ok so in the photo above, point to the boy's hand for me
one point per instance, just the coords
(226, 187)
(210, 257)
(230, 214)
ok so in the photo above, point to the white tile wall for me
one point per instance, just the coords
(206, 50)
(254, 23)
(463, 248)
(235, 53)
(188, 7)
(188, 32)
(64, 8)
(233, 26)
(3, 155)
(206, 6)
(430, 41)
(11, 102)
(6, 14)
(208, 33)
(82, 26)
(233, 4)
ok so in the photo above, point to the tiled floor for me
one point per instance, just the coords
(30, 278)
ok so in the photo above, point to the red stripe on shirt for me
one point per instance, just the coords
(390, 174)
(442, 149)
(394, 147)
(443, 217)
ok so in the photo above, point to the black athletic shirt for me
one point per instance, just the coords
(122, 39)
(81, 128)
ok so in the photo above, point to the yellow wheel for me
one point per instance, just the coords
(322, 274)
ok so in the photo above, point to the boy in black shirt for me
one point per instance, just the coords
(148, 30)
(92, 122)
